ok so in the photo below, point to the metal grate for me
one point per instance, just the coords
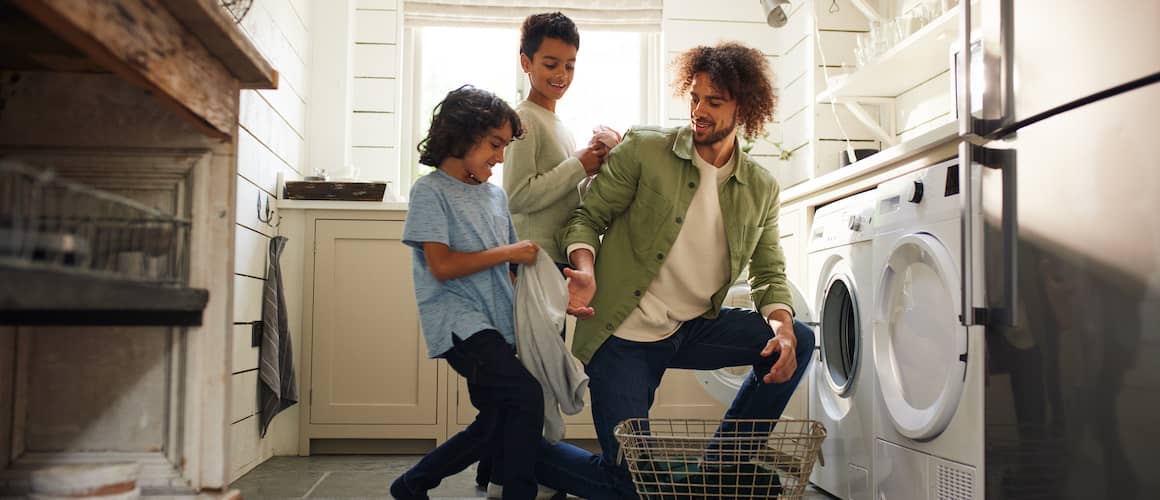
(48, 222)
(954, 483)
(702, 459)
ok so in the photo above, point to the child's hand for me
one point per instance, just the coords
(523, 252)
(591, 157)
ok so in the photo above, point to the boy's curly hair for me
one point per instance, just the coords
(460, 120)
(537, 27)
(741, 71)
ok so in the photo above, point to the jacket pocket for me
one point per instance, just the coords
(644, 217)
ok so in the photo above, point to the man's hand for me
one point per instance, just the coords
(784, 342)
(581, 289)
(523, 252)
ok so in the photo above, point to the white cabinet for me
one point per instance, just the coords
(366, 374)
(369, 359)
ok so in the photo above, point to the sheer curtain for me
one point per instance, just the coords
(620, 15)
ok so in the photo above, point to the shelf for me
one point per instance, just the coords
(939, 135)
(189, 54)
(915, 59)
(31, 296)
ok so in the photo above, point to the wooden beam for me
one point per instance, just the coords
(210, 23)
(140, 41)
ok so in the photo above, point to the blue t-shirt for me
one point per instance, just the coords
(467, 218)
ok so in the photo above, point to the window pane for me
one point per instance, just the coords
(487, 58)
(607, 87)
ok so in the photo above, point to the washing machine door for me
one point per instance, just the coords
(723, 383)
(919, 346)
(840, 332)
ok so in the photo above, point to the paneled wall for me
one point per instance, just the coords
(271, 141)
(690, 23)
(374, 96)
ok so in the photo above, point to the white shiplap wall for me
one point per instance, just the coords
(374, 91)
(689, 23)
(271, 141)
(832, 48)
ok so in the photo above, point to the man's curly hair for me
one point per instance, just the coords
(461, 120)
(741, 71)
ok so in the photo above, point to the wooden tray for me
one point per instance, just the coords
(328, 190)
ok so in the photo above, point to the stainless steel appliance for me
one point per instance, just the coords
(1060, 174)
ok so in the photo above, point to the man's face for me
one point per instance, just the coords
(712, 112)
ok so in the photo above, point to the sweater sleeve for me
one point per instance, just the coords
(528, 189)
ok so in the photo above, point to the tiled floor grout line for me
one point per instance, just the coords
(316, 483)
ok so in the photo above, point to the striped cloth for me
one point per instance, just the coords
(277, 389)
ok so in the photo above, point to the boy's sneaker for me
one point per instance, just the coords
(400, 491)
(494, 491)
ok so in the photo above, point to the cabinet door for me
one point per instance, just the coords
(369, 363)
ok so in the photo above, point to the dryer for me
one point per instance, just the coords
(929, 417)
(841, 276)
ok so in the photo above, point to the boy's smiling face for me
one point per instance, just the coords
(487, 151)
(550, 70)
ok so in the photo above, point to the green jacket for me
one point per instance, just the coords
(638, 203)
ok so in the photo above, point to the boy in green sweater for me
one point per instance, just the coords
(541, 171)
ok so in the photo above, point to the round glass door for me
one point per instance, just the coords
(919, 345)
(841, 333)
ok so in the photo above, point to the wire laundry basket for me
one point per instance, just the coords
(703, 459)
(50, 223)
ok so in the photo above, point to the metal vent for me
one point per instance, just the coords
(953, 482)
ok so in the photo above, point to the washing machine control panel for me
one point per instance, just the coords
(843, 222)
(930, 194)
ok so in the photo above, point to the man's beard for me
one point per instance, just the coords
(715, 137)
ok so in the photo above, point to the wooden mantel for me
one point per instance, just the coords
(189, 53)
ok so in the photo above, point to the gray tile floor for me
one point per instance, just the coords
(353, 476)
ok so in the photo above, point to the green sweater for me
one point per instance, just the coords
(540, 176)
(637, 204)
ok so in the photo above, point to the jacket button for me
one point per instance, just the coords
(636, 293)
(660, 256)
(608, 327)
(692, 185)
(680, 220)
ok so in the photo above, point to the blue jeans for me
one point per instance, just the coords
(510, 421)
(625, 375)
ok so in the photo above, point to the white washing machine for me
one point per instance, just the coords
(929, 415)
(723, 383)
(841, 275)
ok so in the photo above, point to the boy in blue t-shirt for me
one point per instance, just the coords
(462, 241)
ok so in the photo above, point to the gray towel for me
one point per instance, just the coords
(276, 387)
(541, 299)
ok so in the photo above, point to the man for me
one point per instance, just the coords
(682, 212)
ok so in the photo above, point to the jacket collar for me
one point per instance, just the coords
(683, 148)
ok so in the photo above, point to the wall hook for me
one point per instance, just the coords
(265, 214)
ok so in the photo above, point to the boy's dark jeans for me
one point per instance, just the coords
(511, 418)
(491, 467)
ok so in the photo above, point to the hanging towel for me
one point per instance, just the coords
(276, 387)
(541, 301)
